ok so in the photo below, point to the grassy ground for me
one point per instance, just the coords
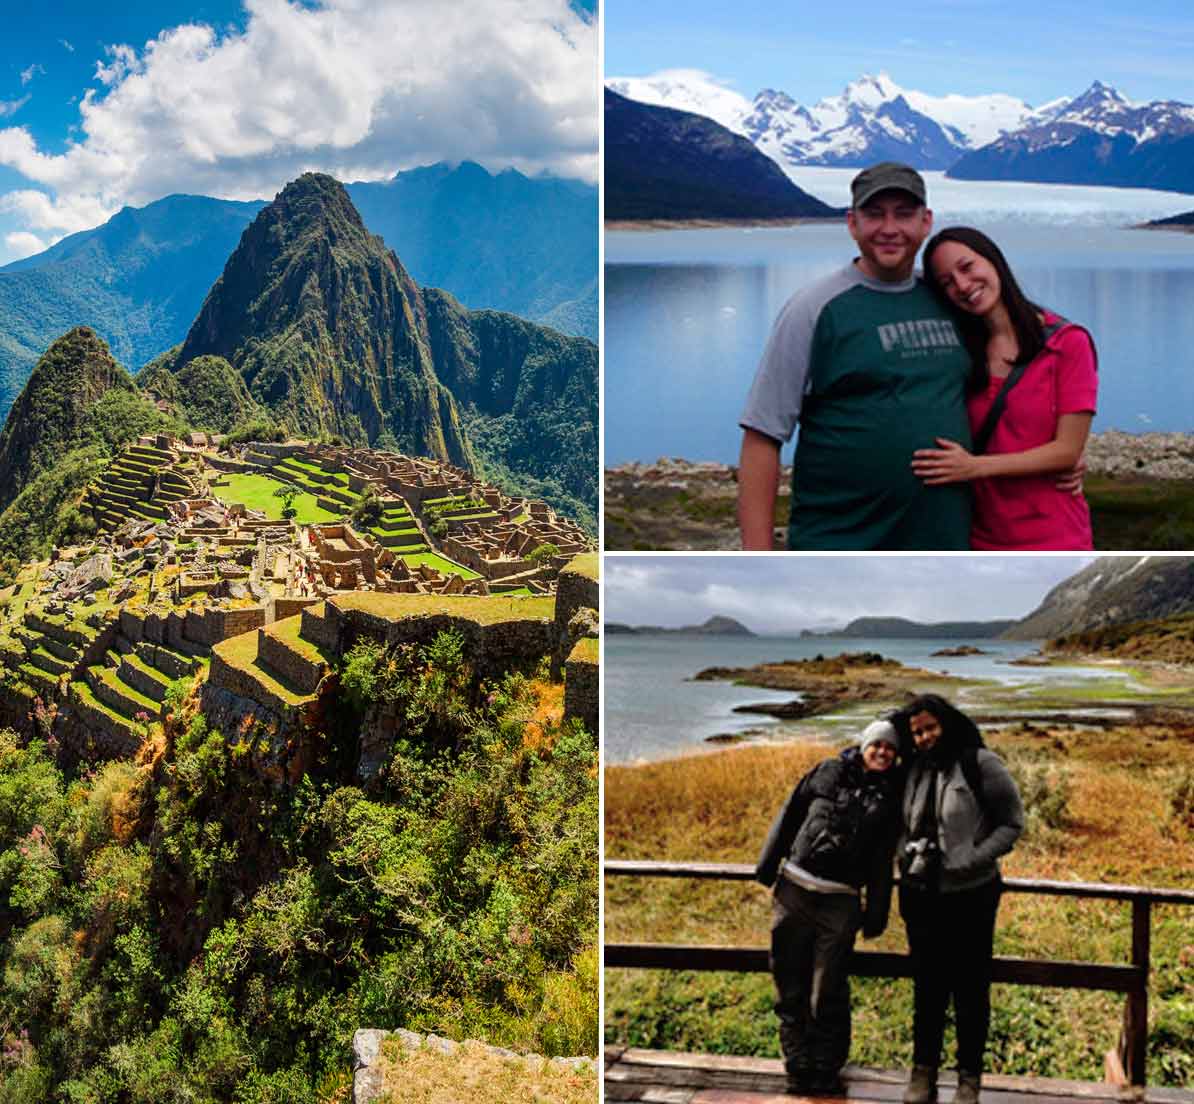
(473, 1075)
(256, 491)
(1116, 825)
(440, 563)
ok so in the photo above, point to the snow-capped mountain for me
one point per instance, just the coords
(873, 118)
(686, 90)
(1099, 137)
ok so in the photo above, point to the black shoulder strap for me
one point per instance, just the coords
(983, 437)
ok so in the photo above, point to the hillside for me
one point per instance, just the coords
(667, 164)
(77, 406)
(1165, 640)
(899, 628)
(366, 815)
(1112, 590)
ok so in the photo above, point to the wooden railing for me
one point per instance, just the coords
(1126, 1064)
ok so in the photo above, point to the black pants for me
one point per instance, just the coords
(950, 937)
(812, 935)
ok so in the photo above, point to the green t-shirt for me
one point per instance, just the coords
(872, 371)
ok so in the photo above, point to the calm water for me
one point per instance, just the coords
(653, 711)
(687, 311)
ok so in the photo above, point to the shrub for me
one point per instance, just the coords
(1045, 793)
(1181, 798)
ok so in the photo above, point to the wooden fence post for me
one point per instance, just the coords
(1134, 1043)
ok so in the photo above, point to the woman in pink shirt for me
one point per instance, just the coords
(1032, 398)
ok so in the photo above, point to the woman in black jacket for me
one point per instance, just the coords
(829, 857)
(961, 811)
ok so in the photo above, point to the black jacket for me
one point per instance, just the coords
(841, 822)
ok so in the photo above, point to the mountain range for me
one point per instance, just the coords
(505, 241)
(1097, 137)
(315, 325)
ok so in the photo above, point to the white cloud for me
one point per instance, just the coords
(66, 46)
(20, 244)
(28, 74)
(358, 89)
(11, 107)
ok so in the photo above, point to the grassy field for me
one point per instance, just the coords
(448, 567)
(256, 491)
(1100, 809)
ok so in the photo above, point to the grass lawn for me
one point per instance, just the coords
(448, 567)
(256, 491)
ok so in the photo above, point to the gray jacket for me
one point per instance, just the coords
(971, 835)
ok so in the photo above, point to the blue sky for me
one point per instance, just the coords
(103, 106)
(783, 594)
(1036, 51)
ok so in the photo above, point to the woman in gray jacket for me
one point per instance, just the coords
(961, 811)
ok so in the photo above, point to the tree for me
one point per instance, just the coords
(543, 553)
(287, 494)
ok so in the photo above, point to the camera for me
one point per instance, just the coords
(920, 863)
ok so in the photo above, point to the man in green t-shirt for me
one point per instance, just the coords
(871, 366)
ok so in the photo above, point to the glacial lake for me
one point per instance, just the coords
(652, 709)
(687, 311)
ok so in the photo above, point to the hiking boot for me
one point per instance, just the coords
(799, 1083)
(968, 1086)
(827, 1083)
(922, 1086)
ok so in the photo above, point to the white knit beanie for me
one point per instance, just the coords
(878, 731)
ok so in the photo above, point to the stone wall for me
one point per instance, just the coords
(491, 649)
(582, 684)
(578, 588)
(291, 667)
(278, 609)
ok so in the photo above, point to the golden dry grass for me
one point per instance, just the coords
(717, 807)
(474, 1075)
(546, 716)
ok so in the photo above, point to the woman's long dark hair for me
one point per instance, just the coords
(957, 730)
(1024, 314)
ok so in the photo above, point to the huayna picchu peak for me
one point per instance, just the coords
(321, 321)
(332, 336)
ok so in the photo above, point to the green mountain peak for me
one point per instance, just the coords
(47, 418)
(326, 328)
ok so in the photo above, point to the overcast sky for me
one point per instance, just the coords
(784, 594)
(1036, 51)
(103, 105)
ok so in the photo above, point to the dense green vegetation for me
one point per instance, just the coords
(46, 514)
(183, 930)
(207, 391)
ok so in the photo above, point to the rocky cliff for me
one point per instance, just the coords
(1112, 590)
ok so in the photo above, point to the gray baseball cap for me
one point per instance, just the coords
(887, 176)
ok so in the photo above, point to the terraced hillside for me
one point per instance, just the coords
(137, 485)
(398, 530)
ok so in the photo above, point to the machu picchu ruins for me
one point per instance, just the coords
(252, 563)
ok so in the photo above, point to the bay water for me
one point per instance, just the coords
(653, 709)
(687, 312)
